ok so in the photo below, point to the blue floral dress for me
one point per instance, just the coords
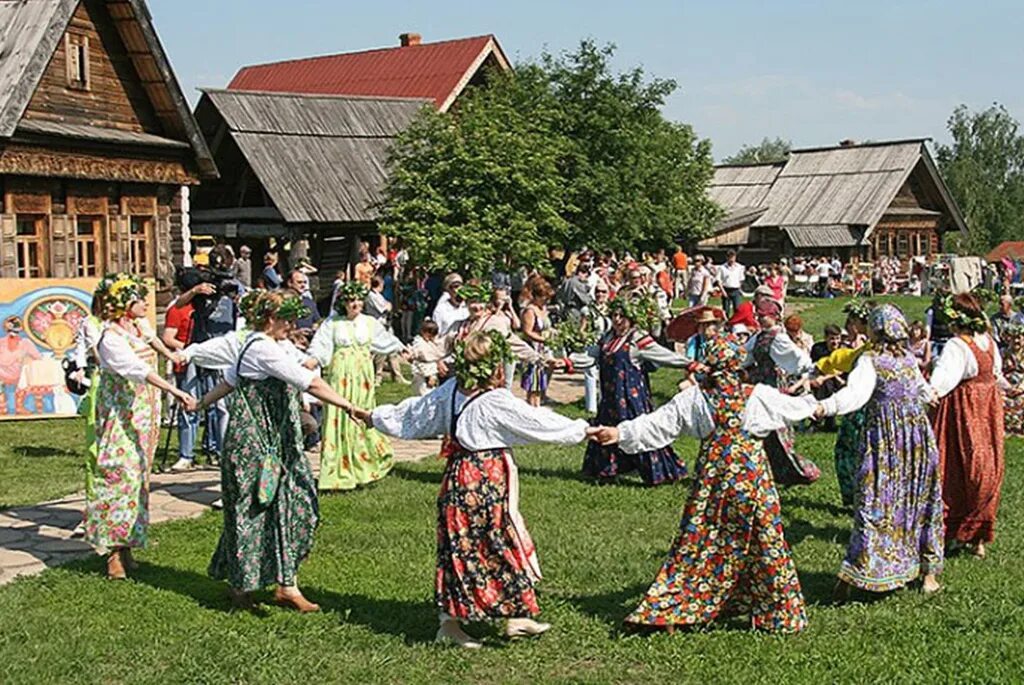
(626, 394)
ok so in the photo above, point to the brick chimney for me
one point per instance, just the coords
(848, 142)
(407, 39)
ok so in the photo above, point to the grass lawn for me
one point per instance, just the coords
(372, 570)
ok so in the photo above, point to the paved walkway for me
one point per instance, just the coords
(37, 537)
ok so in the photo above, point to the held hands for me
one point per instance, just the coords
(605, 435)
(361, 415)
(188, 403)
(819, 411)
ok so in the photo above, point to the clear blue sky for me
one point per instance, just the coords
(811, 72)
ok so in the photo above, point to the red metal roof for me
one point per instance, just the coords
(433, 70)
(1011, 249)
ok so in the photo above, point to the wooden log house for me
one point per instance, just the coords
(98, 146)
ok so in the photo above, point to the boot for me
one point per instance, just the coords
(451, 632)
(115, 568)
(293, 599)
(525, 627)
(127, 560)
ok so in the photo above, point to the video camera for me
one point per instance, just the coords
(214, 314)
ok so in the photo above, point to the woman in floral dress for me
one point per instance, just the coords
(269, 493)
(773, 359)
(343, 346)
(1013, 371)
(486, 562)
(969, 425)
(127, 426)
(624, 355)
(730, 556)
(897, 525)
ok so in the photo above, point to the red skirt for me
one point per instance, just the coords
(969, 430)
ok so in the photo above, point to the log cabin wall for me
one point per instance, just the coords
(109, 94)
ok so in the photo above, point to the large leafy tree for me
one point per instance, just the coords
(564, 153)
(481, 188)
(984, 168)
(768, 150)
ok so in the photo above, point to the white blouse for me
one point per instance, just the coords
(340, 331)
(957, 363)
(786, 355)
(860, 386)
(117, 354)
(85, 341)
(688, 413)
(496, 419)
(220, 353)
(266, 358)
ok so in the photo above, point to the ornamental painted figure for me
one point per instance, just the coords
(969, 425)
(897, 532)
(730, 556)
(625, 355)
(486, 562)
(127, 425)
(352, 455)
(267, 484)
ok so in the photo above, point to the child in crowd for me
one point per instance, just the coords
(426, 351)
(921, 347)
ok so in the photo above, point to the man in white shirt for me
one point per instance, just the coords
(450, 309)
(824, 271)
(730, 276)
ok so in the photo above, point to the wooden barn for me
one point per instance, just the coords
(96, 142)
(302, 144)
(294, 167)
(867, 201)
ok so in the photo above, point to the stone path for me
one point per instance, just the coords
(36, 537)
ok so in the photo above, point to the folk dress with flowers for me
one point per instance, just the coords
(730, 557)
(127, 431)
(625, 394)
(486, 561)
(265, 538)
(352, 454)
(897, 525)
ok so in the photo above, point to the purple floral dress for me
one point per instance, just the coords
(897, 527)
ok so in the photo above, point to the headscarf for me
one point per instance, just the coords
(768, 307)
(888, 323)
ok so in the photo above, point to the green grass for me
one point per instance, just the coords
(372, 570)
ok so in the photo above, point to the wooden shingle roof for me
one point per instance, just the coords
(321, 159)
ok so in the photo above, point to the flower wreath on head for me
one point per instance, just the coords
(258, 306)
(475, 292)
(477, 374)
(118, 291)
(859, 309)
(642, 310)
(975, 323)
(349, 291)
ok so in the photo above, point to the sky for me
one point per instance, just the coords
(813, 73)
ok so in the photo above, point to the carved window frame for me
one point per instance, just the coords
(76, 53)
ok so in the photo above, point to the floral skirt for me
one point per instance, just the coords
(486, 563)
(730, 556)
(897, 525)
(536, 376)
(117, 474)
(352, 454)
(788, 467)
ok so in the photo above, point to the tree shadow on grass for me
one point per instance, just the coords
(44, 451)
(610, 607)
(789, 500)
(798, 530)
(417, 476)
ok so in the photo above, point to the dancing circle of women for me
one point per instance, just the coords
(920, 462)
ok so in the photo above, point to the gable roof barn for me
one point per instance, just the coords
(30, 33)
(438, 71)
(831, 196)
(319, 158)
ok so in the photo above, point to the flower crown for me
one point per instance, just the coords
(957, 316)
(477, 374)
(642, 310)
(475, 292)
(859, 309)
(348, 291)
(258, 306)
(117, 292)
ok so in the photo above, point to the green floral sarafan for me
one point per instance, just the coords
(478, 374)
(642, 310)
(475, 292)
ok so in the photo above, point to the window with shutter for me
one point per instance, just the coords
(89, 238)
(30, 242)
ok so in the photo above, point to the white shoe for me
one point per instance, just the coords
(451, 632)
(79, 531)
(525, 627)
(217, 504)
(183, 465)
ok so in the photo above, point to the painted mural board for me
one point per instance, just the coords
(40, 319)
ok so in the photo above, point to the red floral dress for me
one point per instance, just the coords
(731, 555)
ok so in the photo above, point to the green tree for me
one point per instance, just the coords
(776, 150)
(562, 154)
(984, 169)
(470, 191)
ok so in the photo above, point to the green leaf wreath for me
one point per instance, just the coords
(642, 310)
(575, 336)
(478, 374)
